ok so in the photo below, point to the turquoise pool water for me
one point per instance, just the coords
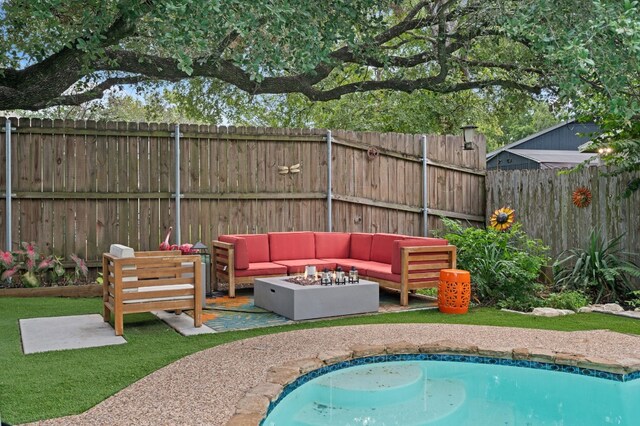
(457, 393)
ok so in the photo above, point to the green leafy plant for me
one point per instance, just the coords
(602, 269)
(573, 300)
(27, 267)
(633, 299)
(504, 266)
(431, 292)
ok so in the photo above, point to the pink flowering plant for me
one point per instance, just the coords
(27, 267)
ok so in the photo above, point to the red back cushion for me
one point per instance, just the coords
(291, 245)
(257, 247)
(382, 246)
(241, 255)
(360, 246)
(332, 245)
(396, 256)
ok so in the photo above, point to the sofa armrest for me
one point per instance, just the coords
(156, 253)
(421, 265)
(396, 253)
(223, 257)
(223, 265)
(425, 262)
(240, 250)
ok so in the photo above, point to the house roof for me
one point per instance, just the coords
(587, 147)
(551, 157)
(528, 138)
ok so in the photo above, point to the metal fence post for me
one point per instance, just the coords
(425, 193)
(329, 187)
(8, 186)
(177, 195)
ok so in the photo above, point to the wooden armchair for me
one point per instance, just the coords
(152, 280)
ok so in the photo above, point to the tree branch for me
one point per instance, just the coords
(503, 66)
(93, 93)
(41, 83)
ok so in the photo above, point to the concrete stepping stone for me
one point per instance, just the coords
(67, 332)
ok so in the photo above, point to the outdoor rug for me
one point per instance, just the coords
(225, 314)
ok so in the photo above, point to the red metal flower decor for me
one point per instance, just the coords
(502, 219)
(581, 197)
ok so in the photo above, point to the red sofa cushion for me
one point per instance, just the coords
(291, 245)
(346, 264)
(360, 247)
(382, 271)
(332, 244)
(241, 255)
(382, 246)
(297, 266)
(261, 268)
(257, 247)
(396, 256)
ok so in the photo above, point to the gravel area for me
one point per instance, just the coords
(204, 388)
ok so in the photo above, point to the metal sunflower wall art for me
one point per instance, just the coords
(502, 219)
(581, 197)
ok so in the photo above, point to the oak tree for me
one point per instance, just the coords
(66, 52)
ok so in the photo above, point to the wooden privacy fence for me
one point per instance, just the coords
(543, 203)
(78, 186)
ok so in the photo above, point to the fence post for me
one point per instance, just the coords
(177, 195)
(8, 186)
(329, 187)
(425, 193)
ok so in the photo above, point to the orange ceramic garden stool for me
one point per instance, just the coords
(454, 291)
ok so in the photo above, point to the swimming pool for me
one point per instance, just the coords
(436, 392)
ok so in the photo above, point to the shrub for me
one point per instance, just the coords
(573, 300)
(602, 270)
(504, 266)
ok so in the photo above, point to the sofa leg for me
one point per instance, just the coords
(404, 292)
(404, 298)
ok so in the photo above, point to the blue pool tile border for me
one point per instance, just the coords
(474, 359)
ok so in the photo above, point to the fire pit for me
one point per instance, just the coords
(298, 298)
(302, 280)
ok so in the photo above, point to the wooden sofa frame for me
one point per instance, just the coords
(150, 281)
(421, 267)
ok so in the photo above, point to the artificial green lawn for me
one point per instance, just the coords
(53, 384)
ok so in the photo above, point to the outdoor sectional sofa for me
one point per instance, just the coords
(399, 262)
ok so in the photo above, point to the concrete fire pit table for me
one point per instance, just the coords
(301, 302)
